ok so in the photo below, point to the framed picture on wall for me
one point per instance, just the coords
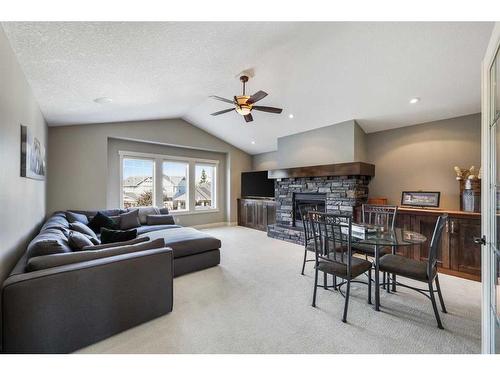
(33, 163)
(420, 198)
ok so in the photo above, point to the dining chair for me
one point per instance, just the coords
(333, 253)
(308, 238)
(380, 215)
(425, 272)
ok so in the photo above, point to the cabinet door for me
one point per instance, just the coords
(270, 214)
(249, 213)
(425, 225)
(465, 254)
(259, 216)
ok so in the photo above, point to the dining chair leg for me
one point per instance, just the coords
(370, 286)
(325, 280)
(434, 305)
(304, 262)
(388, 283)
(441, 301)
(315, 286)
(334, 282)
(393, 282)
(383, 280)
(348, 288)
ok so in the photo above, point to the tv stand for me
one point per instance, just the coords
(256, 213)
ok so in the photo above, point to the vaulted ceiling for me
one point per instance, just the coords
(322, 73)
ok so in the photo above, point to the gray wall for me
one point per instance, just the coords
(113, 189)
(22, 200)
(338, 143)
(422, 157)
(78, 159)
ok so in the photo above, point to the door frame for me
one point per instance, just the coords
(488, 201)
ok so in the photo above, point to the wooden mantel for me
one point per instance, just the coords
(341, 169)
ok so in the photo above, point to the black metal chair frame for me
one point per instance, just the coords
(327, 231)
(369, 214)
(432, 274)
(307, 235)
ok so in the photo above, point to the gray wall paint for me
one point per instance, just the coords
(422, 157)
(113, 189)
(79, 164)
(22, 199)
(339, 143)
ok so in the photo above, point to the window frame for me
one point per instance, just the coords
(158, 160)
(214, 188)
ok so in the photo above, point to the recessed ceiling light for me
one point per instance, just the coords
(290, 115)
(103, 100)
(253, 142)
(414, 100)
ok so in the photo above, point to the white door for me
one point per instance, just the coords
(490, 144)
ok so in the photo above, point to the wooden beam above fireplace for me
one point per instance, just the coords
(341, 169)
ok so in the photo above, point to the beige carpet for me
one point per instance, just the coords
(256, 301)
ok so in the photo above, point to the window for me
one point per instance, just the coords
(137, 182)
(168, 181)
(204, 195)
(175, 185)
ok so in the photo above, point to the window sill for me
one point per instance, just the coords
(197, 212)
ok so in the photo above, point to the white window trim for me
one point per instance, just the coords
(158, 160)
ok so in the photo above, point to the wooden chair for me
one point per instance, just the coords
(425, 272)
(333, 253)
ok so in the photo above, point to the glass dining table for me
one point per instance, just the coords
(387, 238)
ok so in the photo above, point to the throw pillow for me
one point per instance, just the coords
(115, 244)
(77, 240)
(101, 221)
(159, 219)
(82, 228)
(130, 220)
(75, 217)
(145, 211)
(111, 236)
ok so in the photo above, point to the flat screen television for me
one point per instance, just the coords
(256, 184)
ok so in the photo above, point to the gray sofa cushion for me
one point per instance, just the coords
(130, 220)
(145, 211)
(77, 241)
(49, 261)
(49, 241)
(160, 220)
(82, 228)
(91, 213)
(76, 217)
(163, 210)
(186, 241)
(56, 221)
(151, 228)
(116, 244)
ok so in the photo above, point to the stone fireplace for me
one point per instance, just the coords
(339, 189)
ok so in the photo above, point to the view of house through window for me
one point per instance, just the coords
(138, 182)
(174, 184)
(205, 186)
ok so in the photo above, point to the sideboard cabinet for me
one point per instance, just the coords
(256, 213)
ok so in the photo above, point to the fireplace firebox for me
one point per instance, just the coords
(305, 202)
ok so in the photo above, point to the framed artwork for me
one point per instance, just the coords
(420, 198)
(33, 163)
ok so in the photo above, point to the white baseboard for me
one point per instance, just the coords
(213, 225)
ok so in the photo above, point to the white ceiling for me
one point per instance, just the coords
(323, 73)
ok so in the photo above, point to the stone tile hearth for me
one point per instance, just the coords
(342, 194)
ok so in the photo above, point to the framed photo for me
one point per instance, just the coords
(420, 198)
(32, 155)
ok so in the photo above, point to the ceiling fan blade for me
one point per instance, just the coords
(223, 111)
(221, 99)
(256, 97)
(248, 118)
(267, 109)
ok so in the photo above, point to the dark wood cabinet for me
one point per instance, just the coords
(458, 254)
(256, 213)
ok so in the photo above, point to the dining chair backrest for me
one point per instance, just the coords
(306, 224)
(332, 237)
(435, 242)
(379, 215)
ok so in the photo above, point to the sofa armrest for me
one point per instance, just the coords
(61, 309)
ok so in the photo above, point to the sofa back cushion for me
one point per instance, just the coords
(160, 220)
(49, 261)
(145, 211)
(47, 242)
(130, 220)
(73, 217)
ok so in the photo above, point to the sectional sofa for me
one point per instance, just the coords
(60, 302)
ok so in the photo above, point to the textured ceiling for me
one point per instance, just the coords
(323, 73)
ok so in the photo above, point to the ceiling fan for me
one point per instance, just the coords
(244, 104)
